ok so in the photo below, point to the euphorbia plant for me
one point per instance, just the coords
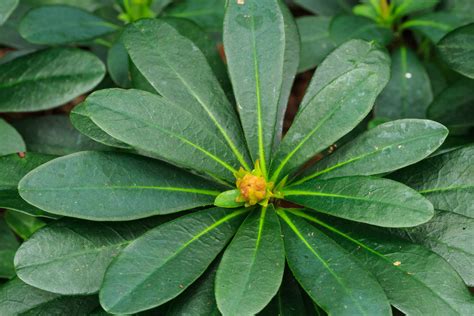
(188, 147)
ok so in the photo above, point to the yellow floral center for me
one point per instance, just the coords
(253, 187)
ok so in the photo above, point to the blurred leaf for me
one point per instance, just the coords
(22, 224)
(11, 141)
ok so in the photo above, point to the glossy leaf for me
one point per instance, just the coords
(75, 254)
(329, 274)
(457, 50)
(446, 180)
(407, 272)
(208, 14)
(59, 24)
(454, 106)
(8, 247)
(251, 270)
(23, 225)
(162, 128)
(346, 27)
(450, 235)
(54, 135)
(387, 147)
(113, 186)
(6, 8)
(165, 261)
(12, 169)
(340, 95)
(316, 42)
(375, 201)
(47, 79)
(11, 142)
(261, 84)
(38, 302)
(408, 94)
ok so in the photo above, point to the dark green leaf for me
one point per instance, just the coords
(447, 180)
(329, 274)
(59, 24)
(23, 225)
(251, 269)
(54, 135)
(6, 8)
(347, 27)
(165, 261)
(208, 14)
(11, 142)
(376, 201)
(12, 169)
(118, 65)
(113, 186)
(457, 50)
(47, 79)
(70, 257)
(454, 106)
(324, 7)
(18, 298)
(340, 95)
(8, 247)
(408, 93)
(387, 147)
(261, 83)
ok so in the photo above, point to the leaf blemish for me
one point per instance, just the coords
(241, 2)
(397, 263)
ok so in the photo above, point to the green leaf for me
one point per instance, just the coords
(113, 187)
(12, 169)
(198, 299)
(408, 94)
(324, 7)
(251, 270)
(329, 274)
(340, 95)
(23, 225)
(47, 79)
(375, 201)
(261, 84)
(346, 27)
(6, 8)
(59, 24)
(227, 199)
(316, 43)
(384, 148)
(208, 14)
(75, 254)
(454, 106)
(405, 7)
(456, 49)
(18, 298)
(161, 128)
(118, 65)
(12, 142)
(415, 280)
(446, 180)
(170, 62)
(54, 135)
(162, 263)
(8, 247)
(450, 235)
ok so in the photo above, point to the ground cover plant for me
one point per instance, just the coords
(182, 195)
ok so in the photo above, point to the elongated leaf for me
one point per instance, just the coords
(59, 24)
(385, 148)
(11, 141)
(6, 8)
(405, 7)
(208, 14)
(450, 235)
(323, 7)
(316, 43)
(407, 272)
(376, 201)
(170, 62)
(54, 135)
(113, 186)
(261, 83)
(162, 263)
(48, 78)
(251, 269)
(75, 254)
(346, 27)
(454, 106)
(8, 247)
(447, 180)
(18, 298)
(23, 225)
(118, 65)
(162, 129)
(457, 50)
(12, 169)
(329, 274)
(340, 95)
(408, 93)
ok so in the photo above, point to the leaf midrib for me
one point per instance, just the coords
(76, 76)
(133, 187)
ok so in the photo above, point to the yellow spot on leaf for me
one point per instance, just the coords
(397, 263)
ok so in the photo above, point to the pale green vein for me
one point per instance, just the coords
(131, 187)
